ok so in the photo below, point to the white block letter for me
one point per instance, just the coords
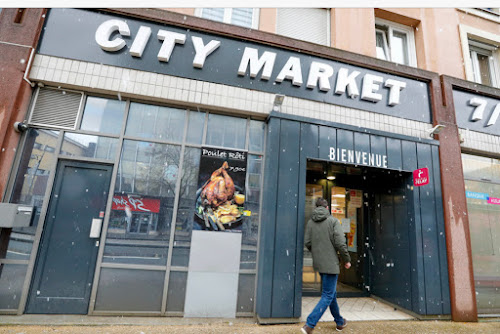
(106, 29)
(394, 88)
(332, 153)
(140, 41)
(321, 72)
(169, 39)
(370, 86)
(203, 51)
(251, 55)
(480, 104)
(291, 71)
(494, 115)
(347, 81)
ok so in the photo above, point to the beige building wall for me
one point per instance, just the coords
(437, 37)
(353, 29)
(186, 11)
(267, 20)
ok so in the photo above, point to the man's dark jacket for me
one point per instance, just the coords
(324, 237)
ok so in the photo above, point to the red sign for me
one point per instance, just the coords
(136, 204)
(420, 177)
(494, 200)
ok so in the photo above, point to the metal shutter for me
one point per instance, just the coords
(56, 108)
(308, 24)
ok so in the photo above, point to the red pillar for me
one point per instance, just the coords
(458, 244)
(19, 33)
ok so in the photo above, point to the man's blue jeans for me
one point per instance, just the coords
(328, 299)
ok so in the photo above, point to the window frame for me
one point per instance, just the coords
(472, 40)
(228, 13)
(392, 27)
(478, 48)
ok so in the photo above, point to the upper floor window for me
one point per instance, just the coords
(395, 42)
(243, 17)
(307, 24)
(483, 63)
(481, 54)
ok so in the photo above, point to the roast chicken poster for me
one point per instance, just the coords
(220, 199)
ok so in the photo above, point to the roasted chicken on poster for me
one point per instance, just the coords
(219, 188)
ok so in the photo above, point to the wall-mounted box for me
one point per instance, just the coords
(15, 215)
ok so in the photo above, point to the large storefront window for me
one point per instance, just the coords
(30, 186)
(482, 184)
(148, 237)
(141, 215)
(155, 152)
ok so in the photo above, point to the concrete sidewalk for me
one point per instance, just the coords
(47, 324)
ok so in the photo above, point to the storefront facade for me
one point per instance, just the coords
(476, 109)
(141, 115)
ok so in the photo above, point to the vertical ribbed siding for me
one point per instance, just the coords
(56, 108)
(308, 24)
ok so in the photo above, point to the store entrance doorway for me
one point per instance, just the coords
(66, 259)
(374, 206)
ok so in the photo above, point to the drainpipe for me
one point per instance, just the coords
(28, 67)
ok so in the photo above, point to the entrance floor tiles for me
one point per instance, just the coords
(356, 309)
(353, 309)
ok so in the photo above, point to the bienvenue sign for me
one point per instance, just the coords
(153, 47)
(357, 157)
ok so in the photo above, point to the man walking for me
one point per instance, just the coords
(324, 237)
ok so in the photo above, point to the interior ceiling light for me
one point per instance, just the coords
(330, 177)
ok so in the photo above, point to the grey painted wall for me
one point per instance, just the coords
(464, 111)
(290, 142)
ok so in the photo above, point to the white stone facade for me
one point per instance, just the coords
(112, 80)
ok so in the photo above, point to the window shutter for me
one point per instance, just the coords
(308, 24)
(56, 108)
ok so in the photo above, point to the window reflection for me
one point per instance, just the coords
(257, 135)
(103, 115)
(89, 146)
(483, 206)
(32, 177)
(149, 121)
(185, 213)
(481, 168)
(141, 215)
(195, 127)
(226, 131)
(250, 227)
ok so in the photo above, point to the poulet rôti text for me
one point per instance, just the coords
(219, 188)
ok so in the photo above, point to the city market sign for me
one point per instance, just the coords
(153, 47)
(477, 112)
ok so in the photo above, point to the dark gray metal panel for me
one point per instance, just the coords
(286, 221)
(400, 262)
(429, 234)
(353, 128)
(69, 33)
(345, 139)
(464, 111)
(268, 221)
(409, 155)
(394, 157)
(443, 260)
(327, 139)
(378, 146)
(309, 137)
(65, 265)
(361, 142)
